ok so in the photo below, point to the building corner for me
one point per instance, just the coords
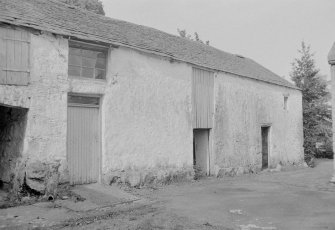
(331, 61)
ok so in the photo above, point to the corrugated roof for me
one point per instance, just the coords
(59, 18)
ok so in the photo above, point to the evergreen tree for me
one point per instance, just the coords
(315, 102)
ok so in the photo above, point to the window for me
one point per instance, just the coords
(87, 61)
(285, 102)
(83, 100)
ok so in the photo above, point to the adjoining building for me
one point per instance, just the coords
(331, 61)
(86, 98)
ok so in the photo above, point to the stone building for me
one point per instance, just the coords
(86, 98)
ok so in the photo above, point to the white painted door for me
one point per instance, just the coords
(83, 143)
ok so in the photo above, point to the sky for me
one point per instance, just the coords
(267, 31)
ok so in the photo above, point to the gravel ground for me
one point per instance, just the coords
(295, 198)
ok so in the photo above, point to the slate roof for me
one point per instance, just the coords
(62, 19)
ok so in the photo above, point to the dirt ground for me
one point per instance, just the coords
(292, 199)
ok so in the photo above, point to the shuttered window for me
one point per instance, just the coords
(87, 61)
(202, 98)
(14, 56)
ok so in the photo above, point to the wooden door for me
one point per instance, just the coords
(265, 147)
(201, 149)
(83, 140)
(202, 98)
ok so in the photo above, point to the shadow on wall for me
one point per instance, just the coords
(12, 131)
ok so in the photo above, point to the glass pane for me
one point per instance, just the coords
(101, 55)
(75, 51)
(90, 53)
(87, 72)
(101, 63)
(100, 74)
(89, 62)
(74, 60)
(74, 71)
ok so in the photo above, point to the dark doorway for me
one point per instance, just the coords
(201, 150)
(265, 147)
(12, 130)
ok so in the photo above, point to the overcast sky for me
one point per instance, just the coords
(268, 31)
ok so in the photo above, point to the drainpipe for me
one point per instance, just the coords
(331, 61)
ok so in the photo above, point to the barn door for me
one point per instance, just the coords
(83, 139)
(203, 112)
(202, 98)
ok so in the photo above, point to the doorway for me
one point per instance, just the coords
(265, 146)
(83, 139)
(13, 122)
(201, 150)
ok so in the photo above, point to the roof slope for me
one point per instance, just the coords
(59, 18)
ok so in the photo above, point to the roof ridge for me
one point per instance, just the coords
(76, 7)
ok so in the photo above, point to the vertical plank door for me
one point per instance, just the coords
(202, 98)
(83, 144)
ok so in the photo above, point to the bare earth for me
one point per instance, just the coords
(292, 199)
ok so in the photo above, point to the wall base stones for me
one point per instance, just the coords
(36, 177)
(236, 171)
(138, 178)
(251, 169)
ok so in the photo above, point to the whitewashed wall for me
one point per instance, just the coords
(46, 98)
(146, 114)
(241, 106)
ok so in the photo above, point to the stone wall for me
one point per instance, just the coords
(44, 142)
(146, 117)
(147, 131)
(242, 106)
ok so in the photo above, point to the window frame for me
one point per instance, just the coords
(88, 47)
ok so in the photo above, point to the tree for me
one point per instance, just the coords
(183, 34)
(317, 123)
(90, 5)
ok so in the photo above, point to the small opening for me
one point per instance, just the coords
(265, 147)
(285, 102)
(12, 131)
(201, 152)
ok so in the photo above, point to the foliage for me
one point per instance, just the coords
(90, 5)
(317, 121)
(184, 34)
